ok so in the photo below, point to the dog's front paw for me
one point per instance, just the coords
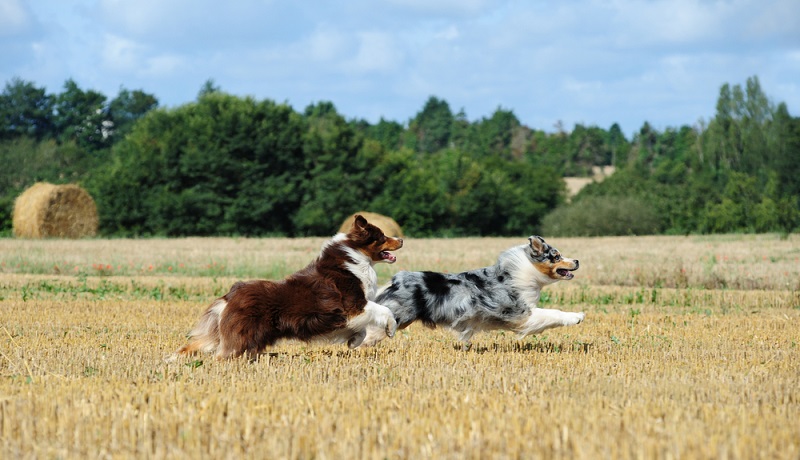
(574, 318)
(374, 335)
(384, 321)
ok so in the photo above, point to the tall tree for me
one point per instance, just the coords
(588, 147)
(756, 113)
(388, 133)
(785, 148)
(618, 145)
(220, 166)
(25, 110)
(82, 116)
(128, 107)
(494, 134)
(334, 184)
(432, 126)
(209, 87)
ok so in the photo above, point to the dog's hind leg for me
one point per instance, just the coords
(205, 335)
(465, 335)
(542, 319)
(357, 339)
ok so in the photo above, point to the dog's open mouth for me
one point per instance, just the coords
(565, 273)
(388, 257)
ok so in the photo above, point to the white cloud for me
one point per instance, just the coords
(590, 61)
(121, 54)
(667, 21)
(14, 17)
(449, 33)
(326, 44)
(778, 20)
(451, 7)
(143, 16)
(164, 66)
(377, 52)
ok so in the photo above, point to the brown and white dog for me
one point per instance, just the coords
(331, 299)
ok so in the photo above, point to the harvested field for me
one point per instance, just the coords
(689, 350)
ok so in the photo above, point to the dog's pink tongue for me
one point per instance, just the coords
(388, 256)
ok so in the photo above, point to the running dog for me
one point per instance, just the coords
(502, 296)
(331, 299)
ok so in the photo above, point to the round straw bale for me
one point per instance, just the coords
(54, 211)
(385, 223)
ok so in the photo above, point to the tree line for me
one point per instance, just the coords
(230, 165)
(740, 172)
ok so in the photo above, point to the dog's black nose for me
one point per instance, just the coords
(577, 264)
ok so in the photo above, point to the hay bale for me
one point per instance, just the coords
(385, 223)
(54, 211)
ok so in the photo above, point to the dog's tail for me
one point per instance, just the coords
(205, 336)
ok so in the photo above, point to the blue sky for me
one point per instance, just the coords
(575, 61)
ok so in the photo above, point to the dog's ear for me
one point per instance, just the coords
(537, 245)
(360, 221)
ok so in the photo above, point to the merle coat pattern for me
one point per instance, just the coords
(501, 296)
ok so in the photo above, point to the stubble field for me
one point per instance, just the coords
(689, 350)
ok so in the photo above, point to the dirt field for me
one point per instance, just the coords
(689, 350)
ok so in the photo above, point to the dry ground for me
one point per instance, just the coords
(689, 350)
(575, 184)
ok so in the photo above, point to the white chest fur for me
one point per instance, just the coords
(364, 271)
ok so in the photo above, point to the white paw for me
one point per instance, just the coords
(384, 320)
(381, 324)
(374, 335)
(574, 318)
(391, 326)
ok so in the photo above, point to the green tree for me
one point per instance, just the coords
(430, 130)
(81, 116)
(334, 183)
(388, 133)
(128, 107)
(461, 131)
(25, 110)
(222, 165)
(601, 216)
(737, 136)
(736, 210)
(411, 193)
(493, 135)
(498, 197)
(587, 148)
(209, 87)
(785, 145)
(549, 150)
(618, 145)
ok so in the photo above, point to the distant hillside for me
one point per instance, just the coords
(599, 173)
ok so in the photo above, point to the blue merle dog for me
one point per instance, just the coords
(502, 296)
